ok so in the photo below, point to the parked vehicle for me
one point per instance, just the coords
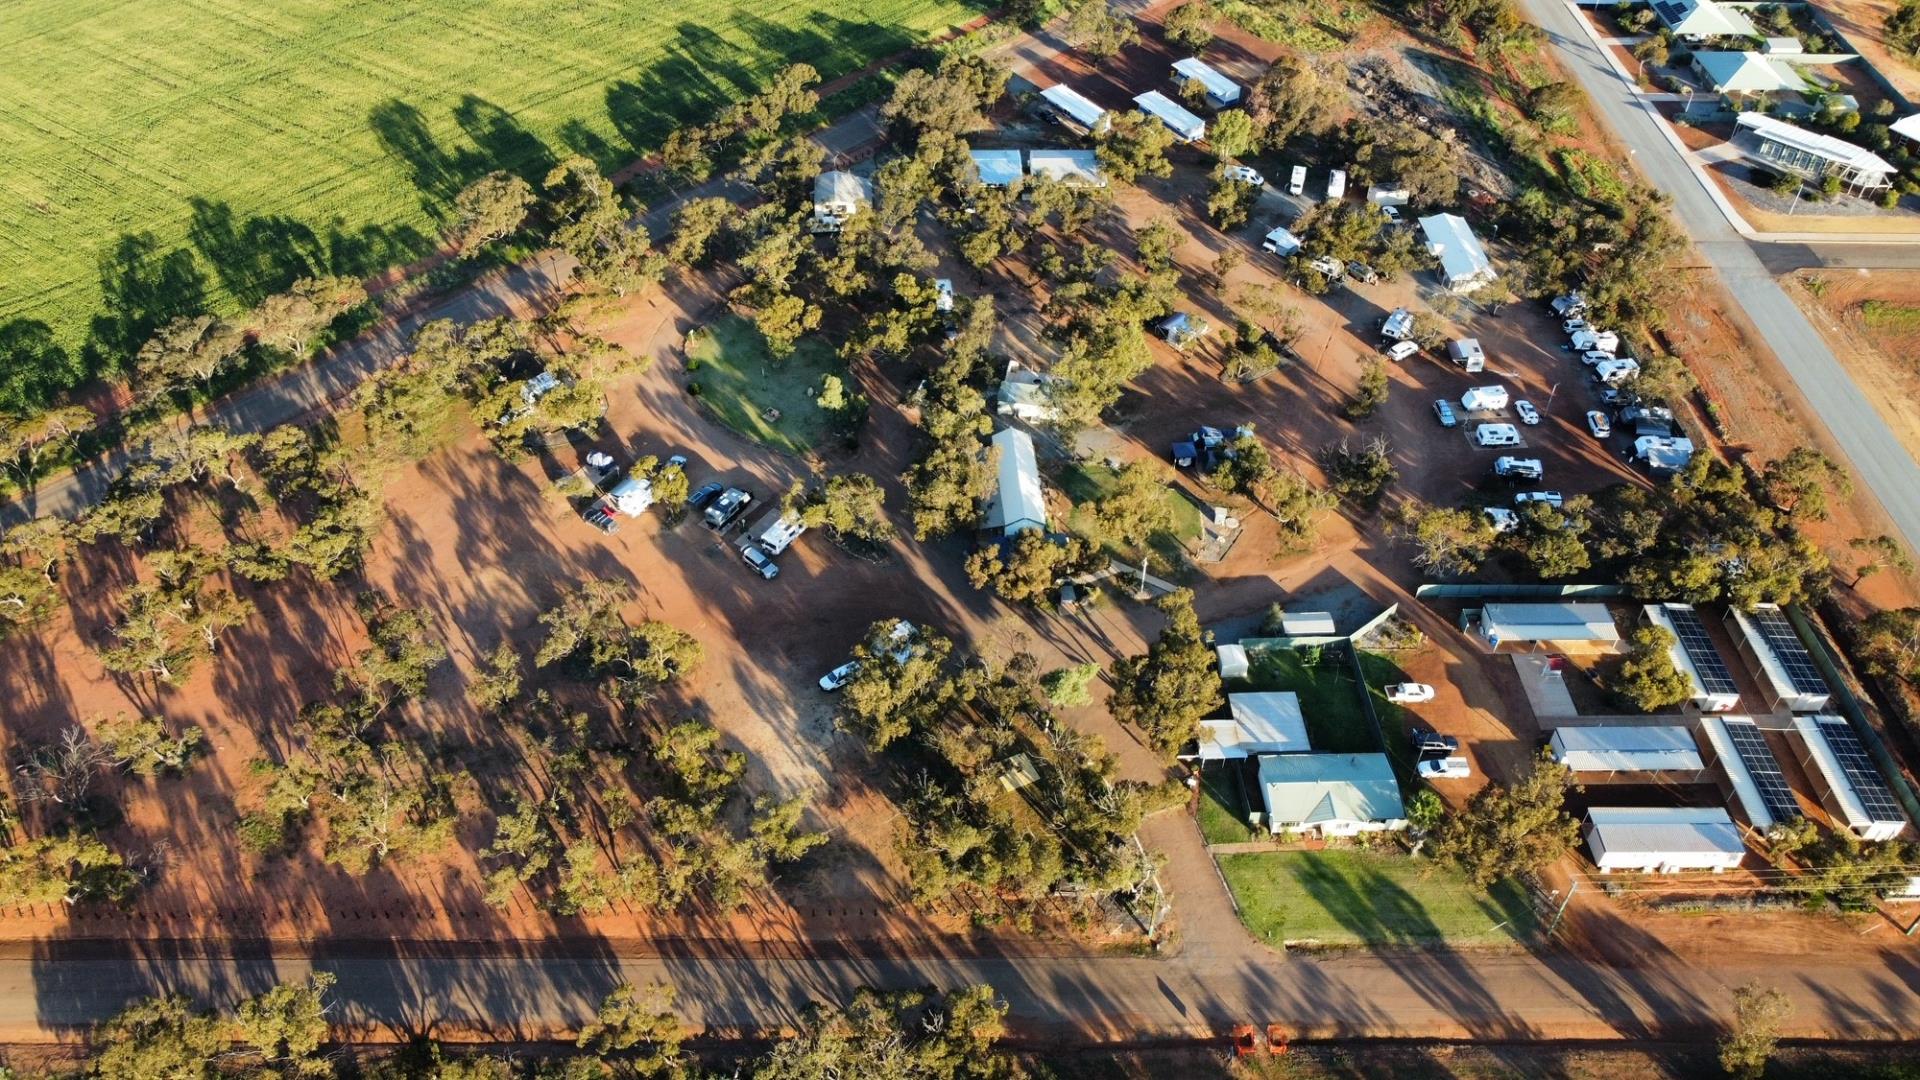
(729, 506)
(1596, 356)
(1569, 306)
(1617, 398)
(1600, 340)
(1408, 693)
(601, 518)
(840, 676)
(1281, 242)
(1448, 768)
(1615, 372)
(1431, 744)
(704, 495)
(758, 562)
(1400, 350)
(1443, 411)
(943, 295)
(1501, 519)
(1336, 185)
(1551, 498)
(1398, 325)
(1597, 423)
(1297, 180)
(1361, 272)
(1529, 415)
(1576, 326)
(1468, 354)
(1519, 468)
(777, 531)
(1246, 174)
(1330, 266)
(1496, 435)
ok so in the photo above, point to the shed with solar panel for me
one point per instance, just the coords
(1848, 782)
(1778, 659)
(1694, 655)
(1740, 748)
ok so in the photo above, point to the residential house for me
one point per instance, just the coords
(1066, 166)
(997, 168)
(1783, 147)
(1742, 74)
(1697, 19)
(1330, 794)
(837, 196)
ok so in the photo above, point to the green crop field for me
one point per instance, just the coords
(169, 156)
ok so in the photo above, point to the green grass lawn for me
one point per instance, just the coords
(1087, 483)
(1328, 698)
(164, 156)
(739, 381)
(1225, 791)
(1339, 897)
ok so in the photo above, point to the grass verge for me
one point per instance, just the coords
(746, 387)
(1342, 897)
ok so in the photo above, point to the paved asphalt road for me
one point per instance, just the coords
(1878, 459)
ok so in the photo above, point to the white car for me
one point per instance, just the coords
(1450, 768)
(1400, 350)
(758, 562)
(1409, 693)
(1576, 326)
(1246, 174)
(1551, 498)
(1598, 423)
(1501, 519)
(1529, 415)
(840, 676)
(1596, 356)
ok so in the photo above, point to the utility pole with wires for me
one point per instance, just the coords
(1573, 886)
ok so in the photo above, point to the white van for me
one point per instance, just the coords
(1496, 435)
(1297, 180)
(1336, 185)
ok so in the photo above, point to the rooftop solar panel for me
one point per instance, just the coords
(1786, 646)
(1707, 663)
(1764, 768)
(1868, 785)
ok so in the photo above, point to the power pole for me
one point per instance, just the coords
(1573, 886)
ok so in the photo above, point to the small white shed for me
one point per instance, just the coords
(1233, 661)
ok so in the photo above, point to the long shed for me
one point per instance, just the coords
(1663, 840)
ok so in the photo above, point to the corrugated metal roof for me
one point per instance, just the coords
(1658, 829)
(1549, 622)
(1217, 84)
(1069, 101)
(1311, 789)
(1018, 504)
(1171, 113)
(1627, 749)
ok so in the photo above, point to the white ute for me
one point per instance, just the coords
(1409, 693)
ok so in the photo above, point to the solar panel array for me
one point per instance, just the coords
(1692, 633)
(1787, 648)
(1758, 757)
(1868, 785)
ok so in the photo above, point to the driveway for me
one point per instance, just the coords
(1881, 463)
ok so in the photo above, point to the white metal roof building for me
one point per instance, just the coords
(1781, 145)
(1017, 504)
(1069, 105)
(1233, 661)
(1025, 394)
(1624, 748)
(1567, 627)
(1740, 748)
(1746, 73)
(1331, 794)
(1464, 265)
(1662, 840)
(1778, 660)
(1849, 784)
(1694, 655)
(997, 168)
(1703, 18)
(1307, 624)
(1067, 166)
(837, 196)
(1220, 89)
(1185, 126)
(1267, 722)
(1907, 127)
